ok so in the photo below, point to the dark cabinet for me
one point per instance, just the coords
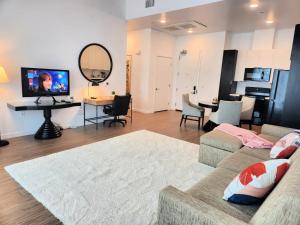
(227, 74)
(291, 112)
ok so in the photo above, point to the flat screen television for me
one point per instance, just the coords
(258, 74)
(37, 82)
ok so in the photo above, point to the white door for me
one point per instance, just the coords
(163, 80)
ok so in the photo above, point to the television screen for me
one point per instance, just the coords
(45, 82)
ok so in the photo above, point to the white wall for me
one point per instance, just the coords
(202, 64)
(240, 41)
(144, 46)
(263, 39)
(138, 46)
(136, 8)
(281, 39)
(113, 7)
(284, 38)
(51, 34)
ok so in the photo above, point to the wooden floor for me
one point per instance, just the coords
(19, 207)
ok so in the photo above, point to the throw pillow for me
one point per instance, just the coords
(286, 146)
(254, 183)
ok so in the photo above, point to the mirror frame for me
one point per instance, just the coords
(110, 59)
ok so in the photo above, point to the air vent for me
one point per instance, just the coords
(149, 3)
(172, 28)
(189, 25)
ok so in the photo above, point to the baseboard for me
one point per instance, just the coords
(142, 110)
(32, 132)
(17, 134)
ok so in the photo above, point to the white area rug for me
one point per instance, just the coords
(111, 182)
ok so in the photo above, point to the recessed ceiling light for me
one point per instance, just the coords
(269, 21)
(253, 5)
(190, 31)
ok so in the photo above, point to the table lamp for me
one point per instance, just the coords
(3, 79)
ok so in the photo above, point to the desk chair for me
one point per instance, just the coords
(118, 108)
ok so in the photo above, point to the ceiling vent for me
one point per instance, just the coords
(172, 28)
(188, 26)
(195, 25)
(149, 3)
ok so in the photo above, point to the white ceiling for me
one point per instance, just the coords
(230, 15)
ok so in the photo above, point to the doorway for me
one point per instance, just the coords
(128, 73)
(163, 81)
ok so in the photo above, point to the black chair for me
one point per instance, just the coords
(119, 108)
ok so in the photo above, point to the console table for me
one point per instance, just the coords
(48, 130)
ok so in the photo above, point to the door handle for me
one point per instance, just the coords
(156, 89)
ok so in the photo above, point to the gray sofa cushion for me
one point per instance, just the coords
(211, 156)
(211, 190)
(221, 140)
(275, 131)
(238, 161)
(263, 154)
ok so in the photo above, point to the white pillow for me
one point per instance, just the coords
(286, 146)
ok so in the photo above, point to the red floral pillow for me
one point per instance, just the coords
(254, 183)
(286, 146)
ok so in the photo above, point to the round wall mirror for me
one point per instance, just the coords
(95, 63)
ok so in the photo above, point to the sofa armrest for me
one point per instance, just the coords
(275, 131)
(179, 208)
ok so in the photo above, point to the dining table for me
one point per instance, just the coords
(209, 125)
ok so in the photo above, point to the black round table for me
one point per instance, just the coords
(209, 125)
(213, 106)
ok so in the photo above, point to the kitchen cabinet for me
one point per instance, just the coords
(281, 59)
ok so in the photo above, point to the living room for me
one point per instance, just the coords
(114, 112)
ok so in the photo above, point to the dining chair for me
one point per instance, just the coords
(248, 104)
(228, 112)
(191, 111)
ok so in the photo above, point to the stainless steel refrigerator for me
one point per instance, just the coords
(278, 96)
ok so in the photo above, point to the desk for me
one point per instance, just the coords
(209, 125)
(100, 101)
(48, 130)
